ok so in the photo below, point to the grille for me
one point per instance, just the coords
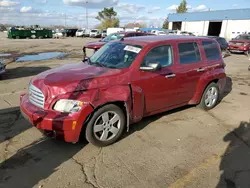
(36, 97)
(238, 44)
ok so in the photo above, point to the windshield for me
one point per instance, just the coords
(79, 30)
(93, 31)
(104, 31)
(243, 37)
(115, 55)
(113, 36)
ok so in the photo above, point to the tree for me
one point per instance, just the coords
(108, 18)
(135, 24)
(182, 8)
(165, 24)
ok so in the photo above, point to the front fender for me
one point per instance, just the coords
(113, 94)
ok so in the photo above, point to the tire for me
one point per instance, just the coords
(204, 104)
(101, 135)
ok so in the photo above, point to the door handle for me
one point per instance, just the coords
(170, 75)
(200, 70)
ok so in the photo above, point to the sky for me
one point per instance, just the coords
(73, 12)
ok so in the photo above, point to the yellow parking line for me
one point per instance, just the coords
(187, 179)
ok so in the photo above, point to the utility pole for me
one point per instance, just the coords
(87, 24)
(65, 17)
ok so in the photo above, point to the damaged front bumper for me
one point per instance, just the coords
(61, 126)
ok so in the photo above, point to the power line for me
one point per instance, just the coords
(87, 24)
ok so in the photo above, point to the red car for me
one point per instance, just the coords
(114, 36)
(240, 44)
(123, 82)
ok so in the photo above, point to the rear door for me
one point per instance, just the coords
(191, 68)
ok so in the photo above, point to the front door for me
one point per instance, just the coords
(159, 87)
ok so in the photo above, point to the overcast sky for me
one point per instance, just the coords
(72, 12)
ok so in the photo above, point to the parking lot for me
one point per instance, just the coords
(186, 147)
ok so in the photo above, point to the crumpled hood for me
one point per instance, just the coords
(75, 77)
(95, 45)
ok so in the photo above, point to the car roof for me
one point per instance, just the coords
(143, 40)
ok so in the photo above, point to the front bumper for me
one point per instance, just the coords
(64, 126)
(238, 48)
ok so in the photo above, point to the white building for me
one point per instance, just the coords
(223, 23)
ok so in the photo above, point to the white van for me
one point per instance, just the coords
(111, 30)
(95, 33)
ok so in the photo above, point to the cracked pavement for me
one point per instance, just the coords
(186, 147)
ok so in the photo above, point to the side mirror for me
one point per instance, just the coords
(151, 67)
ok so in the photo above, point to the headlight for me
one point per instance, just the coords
(68, 106)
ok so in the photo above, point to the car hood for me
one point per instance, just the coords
(97, 44)
(76, 77)
(240, 41)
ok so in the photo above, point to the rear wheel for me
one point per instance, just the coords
(106, 126)
(210, 97)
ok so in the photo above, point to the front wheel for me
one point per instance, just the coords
(106, 126)
(210, 97)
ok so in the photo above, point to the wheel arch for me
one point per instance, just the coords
(121, 104)
(202, 85)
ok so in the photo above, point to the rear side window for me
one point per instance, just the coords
(211, 50)
(189, 53)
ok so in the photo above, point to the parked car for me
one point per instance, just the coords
(57, 34)
(123, 82)
(104, 33)
(86, 33)
(2, 67)
(240, 44)
(79, 33)
(160, 33)
(186, 33)
(223, 44)
(70, 32)
(114, 36)
(95, 33)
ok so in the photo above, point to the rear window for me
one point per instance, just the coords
(189, 53)
(211, 50)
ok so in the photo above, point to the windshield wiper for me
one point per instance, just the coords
(96, 63)
(112, 67)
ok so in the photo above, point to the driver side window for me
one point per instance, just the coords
(159, 54)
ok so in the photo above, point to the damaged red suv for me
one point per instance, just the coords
(123, 82)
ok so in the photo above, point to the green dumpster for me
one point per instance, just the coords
(20, 34)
